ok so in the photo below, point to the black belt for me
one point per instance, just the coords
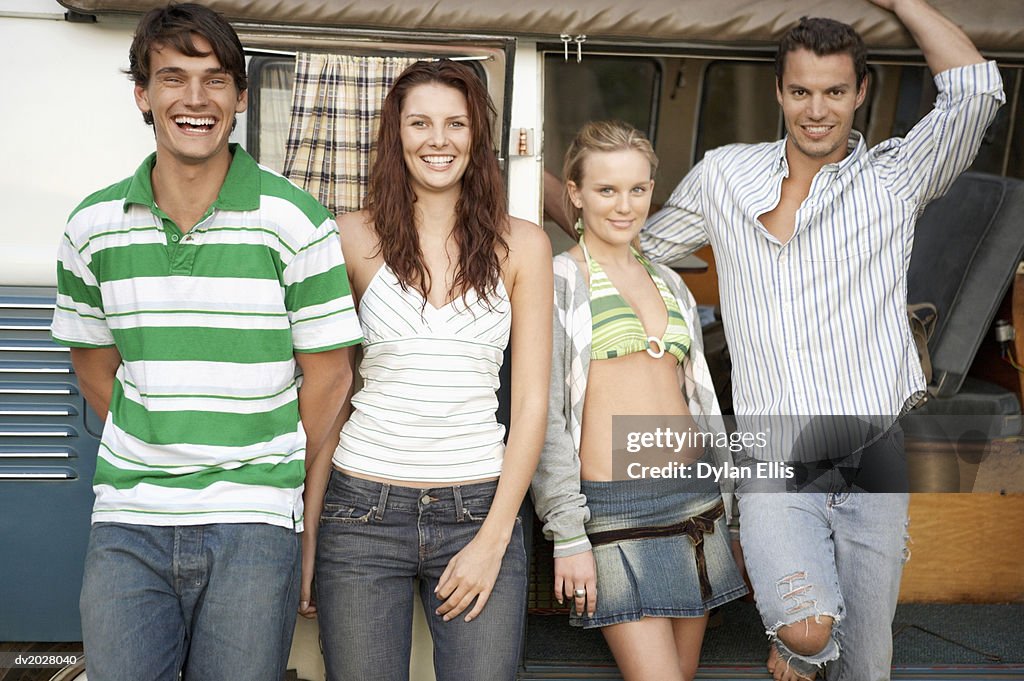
(694, 528)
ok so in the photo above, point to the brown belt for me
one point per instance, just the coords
(694, 527)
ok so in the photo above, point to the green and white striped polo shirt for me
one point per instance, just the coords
(204, 420)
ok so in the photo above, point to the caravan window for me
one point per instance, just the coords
(597, 88)
(314, 114)
(997, 155)
(738, 105)
(270, 85)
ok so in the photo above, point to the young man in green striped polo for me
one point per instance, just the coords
(188, 293)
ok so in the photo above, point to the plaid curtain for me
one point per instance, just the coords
(336, 103)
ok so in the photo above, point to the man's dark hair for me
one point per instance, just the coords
(175, 26)
(823, 37)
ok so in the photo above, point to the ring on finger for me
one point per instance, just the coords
(579, 593)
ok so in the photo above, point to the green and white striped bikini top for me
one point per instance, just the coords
(617, 330)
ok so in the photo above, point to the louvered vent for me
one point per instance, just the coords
(48, 443)
(40, 407)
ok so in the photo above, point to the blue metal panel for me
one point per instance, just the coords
(47, 461)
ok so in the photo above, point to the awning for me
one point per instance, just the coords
(996, 26)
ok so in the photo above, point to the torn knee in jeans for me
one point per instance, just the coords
(805, 639)
(808, 637)
(794, 664)
(807, 645)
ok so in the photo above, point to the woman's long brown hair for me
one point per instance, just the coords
(481, 213)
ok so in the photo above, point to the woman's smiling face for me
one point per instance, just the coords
(436, 137)
(614, 194)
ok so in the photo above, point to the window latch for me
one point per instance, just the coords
(579, 40)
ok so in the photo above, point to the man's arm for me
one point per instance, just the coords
(95, 369)
(944, 45)
(677, 229)
(921, 167)
(326, 379)
(324, 405)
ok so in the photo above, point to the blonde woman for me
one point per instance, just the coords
(644, 559)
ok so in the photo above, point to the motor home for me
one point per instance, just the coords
(693, 75)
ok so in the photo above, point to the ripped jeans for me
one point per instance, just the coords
(838, 554)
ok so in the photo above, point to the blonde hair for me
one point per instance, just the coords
(601, 136)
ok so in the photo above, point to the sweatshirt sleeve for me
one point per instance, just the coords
(556, 484)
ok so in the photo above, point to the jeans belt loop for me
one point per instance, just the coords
(382, 502)
(460, 511)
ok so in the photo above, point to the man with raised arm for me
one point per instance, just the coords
(812, 238)
(189, 293)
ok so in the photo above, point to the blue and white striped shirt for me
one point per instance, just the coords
(818, 325)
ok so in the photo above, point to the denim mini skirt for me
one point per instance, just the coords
(658, 576)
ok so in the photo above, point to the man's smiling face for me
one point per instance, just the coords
(193, 101)
(819, 97)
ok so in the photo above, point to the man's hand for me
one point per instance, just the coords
(944, 45)
(96, 369)
(307, 605)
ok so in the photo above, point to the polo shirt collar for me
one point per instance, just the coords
(240, 191)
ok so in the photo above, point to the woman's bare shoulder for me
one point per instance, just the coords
(526, 238)
(357, 225)
(357, 233)
(529, 251)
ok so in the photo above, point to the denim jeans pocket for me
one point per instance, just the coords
(476, 515)
(476, 509)
(346, 504)
(342, 513)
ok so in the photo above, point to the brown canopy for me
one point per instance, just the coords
(996, 26)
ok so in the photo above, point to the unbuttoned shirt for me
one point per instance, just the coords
(818, 325)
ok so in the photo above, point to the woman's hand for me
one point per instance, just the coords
(471, 573)
(577, 572)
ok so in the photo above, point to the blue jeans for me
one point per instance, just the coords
(213, 602)
(374, 540)
(839, 554)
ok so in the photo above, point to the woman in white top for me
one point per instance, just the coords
(422, 484)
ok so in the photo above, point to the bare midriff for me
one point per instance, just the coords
(634, 385)
(418, 484)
